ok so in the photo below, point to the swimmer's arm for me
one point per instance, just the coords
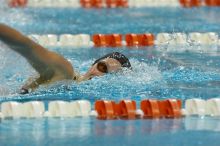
(36, 55)
(17, 41)
(32, 85)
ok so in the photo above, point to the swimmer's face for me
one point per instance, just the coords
(102, 67)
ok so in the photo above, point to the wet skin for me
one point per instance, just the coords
(51, 66)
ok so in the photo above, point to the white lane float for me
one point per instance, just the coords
(48, 40)
(210, 38)
(12, 109)
(59, 109)
(178, 39)
(33, 109)
(195, 107)
(163, 38)
(69, 109)
(195, 38)
(83, 107)
(213, 107)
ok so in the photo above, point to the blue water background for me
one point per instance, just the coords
(153, 76)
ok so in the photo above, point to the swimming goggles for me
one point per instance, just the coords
(102, 67)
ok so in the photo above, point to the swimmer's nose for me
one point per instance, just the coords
(83, 78)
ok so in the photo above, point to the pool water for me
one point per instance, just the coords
(92, 132)
(153, 76)
(156, 74)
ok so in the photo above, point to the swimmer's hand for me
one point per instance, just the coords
(24, 91)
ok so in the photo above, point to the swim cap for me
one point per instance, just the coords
(117, 56)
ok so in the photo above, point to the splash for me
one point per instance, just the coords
(121, 84)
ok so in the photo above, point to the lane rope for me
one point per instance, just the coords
(88, 4)
(110, 110)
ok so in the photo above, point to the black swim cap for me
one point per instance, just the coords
(117, 56)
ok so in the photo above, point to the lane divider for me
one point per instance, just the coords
(202, 107)
(133, 40)
(191, 3)
(113, 3)
(69, 109)
(215, 3)
(107, 40)
(64, 40)
(17, 3)
(139, 39)
(111, 110)
(104, 3)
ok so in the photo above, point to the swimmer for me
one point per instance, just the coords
(53, 67)
(109, 63)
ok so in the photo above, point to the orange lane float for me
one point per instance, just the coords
(99, 40)
(114, 40)
(105, 109)
(18, 3)
(190, 3)
(86, 3)
(107, 40)
(139, 40)
(146, 39)
(131, 40)
(126, 109)
(170, 108)
(150, 108)
(212, 3)
(103, 3)
(111, 3)
(91, 3)
(116, 3)
(123, 3)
